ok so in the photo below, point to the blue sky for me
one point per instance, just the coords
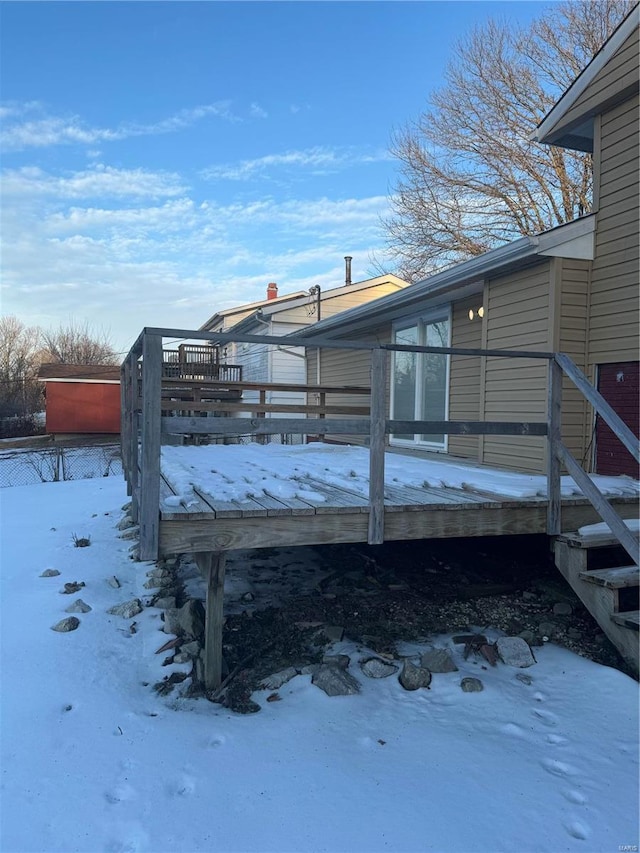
(161, 161)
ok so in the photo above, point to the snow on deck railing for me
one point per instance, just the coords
(142, 419)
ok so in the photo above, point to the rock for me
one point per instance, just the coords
(527, 636)
(126, 507)
(130, 533)
(193, 648)
(181, 657)
(438, 660)
(128, 609)
(562, 608)
(248, 596)
(342, 661)
(275, 681)
(574, 633)
(529, 596)
(78, 606)
(524, 678)
(65, 625)
(334, 633)
(413, 677)
(547, 629)
(514, 651)
(167, 602)
(113, 582)
(125, 522)
(335, 681)
(471, 685)
(74, 586)
(50, 573)
(191, 619)
(171, 621)
(376, 668)
(308, 669)
(159, 573)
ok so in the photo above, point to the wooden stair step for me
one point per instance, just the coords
(619, 577)
(630, 619)
(596, 540)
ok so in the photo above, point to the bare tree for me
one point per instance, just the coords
(78, 343)
(470, 178)
(20, 392)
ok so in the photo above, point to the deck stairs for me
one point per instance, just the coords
(607, 582)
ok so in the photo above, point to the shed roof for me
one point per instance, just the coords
(79, 373)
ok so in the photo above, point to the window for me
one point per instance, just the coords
(420, 381)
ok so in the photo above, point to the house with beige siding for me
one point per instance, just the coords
(283, 315)
(573, 289)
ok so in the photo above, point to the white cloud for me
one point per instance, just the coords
(97, 181)
(129, 248)
(47, 130)
(256, 111)
(317, 160)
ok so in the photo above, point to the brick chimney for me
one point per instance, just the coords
(272, 290)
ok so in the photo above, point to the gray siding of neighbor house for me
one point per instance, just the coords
(464, 376)
(331, 305)
(517, 316)
(613, 313)
(619, 73)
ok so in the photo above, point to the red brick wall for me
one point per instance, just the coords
(619, 385)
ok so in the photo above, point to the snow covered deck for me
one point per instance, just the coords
(224, 497)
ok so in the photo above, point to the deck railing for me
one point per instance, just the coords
(198, 362)
(143, 423)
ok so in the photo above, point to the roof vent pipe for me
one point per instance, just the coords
(347, 271)
(272, 290)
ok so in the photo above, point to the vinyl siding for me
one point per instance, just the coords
(464, 376)
(619, 73)
(574, 287)
(613, 312)
(517, 316)
(347, 367)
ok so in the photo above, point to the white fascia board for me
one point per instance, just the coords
(555, 115)
(574, 240)
(78, 379)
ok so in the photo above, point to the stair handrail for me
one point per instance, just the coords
(600, 405)
(599, 502)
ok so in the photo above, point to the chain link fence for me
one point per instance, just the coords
(52, 464)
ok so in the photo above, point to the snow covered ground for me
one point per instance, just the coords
(239, 472)
(94, 760)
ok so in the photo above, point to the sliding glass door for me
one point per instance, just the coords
(420, 381)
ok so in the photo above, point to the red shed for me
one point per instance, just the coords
(81, 398)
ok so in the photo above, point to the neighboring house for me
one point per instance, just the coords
(285, 315)
(572, 289)
(81, 398)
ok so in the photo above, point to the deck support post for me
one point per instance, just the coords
(150, 481)
(554, 439)
(212, 566)
(376, 446)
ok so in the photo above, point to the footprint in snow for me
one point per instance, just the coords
(184, 786)
(558, 768)
(512, 729)
(556, 740)
(578, 829)
(120, 793)
(574, 796)
(547, 718)
(216, 742)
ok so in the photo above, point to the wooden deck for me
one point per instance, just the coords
(206, 524)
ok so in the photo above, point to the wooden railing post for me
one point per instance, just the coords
(376, 446)
(133, 394)
(554, 437)
(150, 480)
